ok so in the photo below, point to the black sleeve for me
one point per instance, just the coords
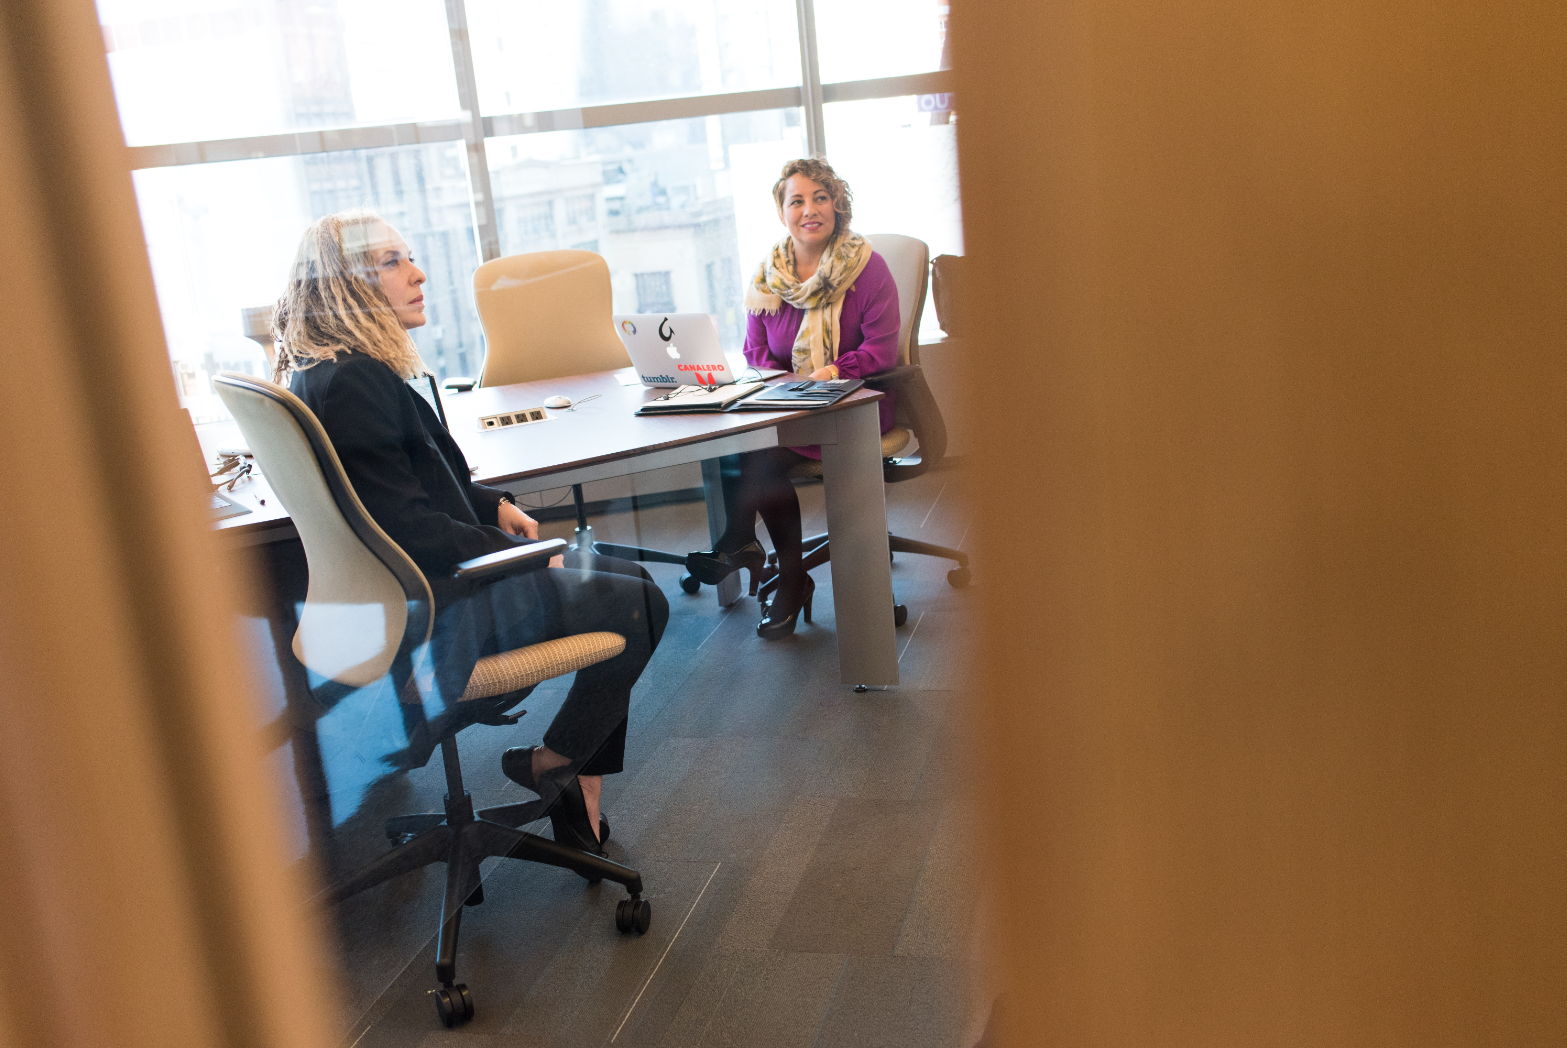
(487, 501)
(364, 414)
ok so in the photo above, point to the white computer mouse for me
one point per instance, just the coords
(557, 402)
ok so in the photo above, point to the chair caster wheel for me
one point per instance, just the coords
(633, 915)
(454, 1004)
(959, 577)
(689, 584)
(861, 689)
(900, 615)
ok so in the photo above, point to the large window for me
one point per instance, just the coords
(900, 156)
(860, 39)
(531, 56)
(649, 131)
(187, 70)
(221, 237)
(680, 208)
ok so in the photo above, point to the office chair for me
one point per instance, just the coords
(367, 611)
(917, 417)
(548, 314)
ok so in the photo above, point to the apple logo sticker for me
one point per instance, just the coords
(673, 352)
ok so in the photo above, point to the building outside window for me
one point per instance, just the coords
(654, 293)
(582, 210)
(536, 222)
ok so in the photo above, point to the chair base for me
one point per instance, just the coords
(651, 556)
(462, 838)
(817, 551)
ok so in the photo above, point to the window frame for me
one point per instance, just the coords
(810, 96)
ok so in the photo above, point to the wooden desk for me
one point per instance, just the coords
(603, 439)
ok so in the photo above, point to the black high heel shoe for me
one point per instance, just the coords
(713, 566)
(779, 621)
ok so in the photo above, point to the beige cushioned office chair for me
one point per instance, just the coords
(916, 417)
(546, 314)
(367, 609)
(549, 314)
(909, 261)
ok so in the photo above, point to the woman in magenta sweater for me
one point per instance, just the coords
(823, 305)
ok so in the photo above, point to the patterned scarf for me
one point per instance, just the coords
(816, 344)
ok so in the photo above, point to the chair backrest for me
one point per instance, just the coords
(946, 273)
(367, 602)
(909, 260)
(546, 314)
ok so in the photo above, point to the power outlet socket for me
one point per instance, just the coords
(523, 417)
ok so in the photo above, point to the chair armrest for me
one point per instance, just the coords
(531, 557)
(918, 410)
(893, 377)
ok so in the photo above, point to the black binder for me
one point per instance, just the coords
(792, 396)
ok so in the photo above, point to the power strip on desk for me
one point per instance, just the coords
(513, 418)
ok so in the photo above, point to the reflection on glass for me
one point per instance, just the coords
(863, 39)
(900, 158)
(680, 209)
(221, 237)
(187, 70)
(531, 57)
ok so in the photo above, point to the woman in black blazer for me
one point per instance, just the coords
(344, 349)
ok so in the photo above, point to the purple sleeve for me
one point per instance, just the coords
(756, 351)
(878, 323)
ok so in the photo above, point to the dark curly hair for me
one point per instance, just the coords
(820, 171)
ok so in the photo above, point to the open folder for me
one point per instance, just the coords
(792, 396)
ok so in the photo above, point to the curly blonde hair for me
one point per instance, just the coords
(334, 302)
(818, 170)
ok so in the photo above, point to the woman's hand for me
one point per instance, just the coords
(826, 374)
(514, 521)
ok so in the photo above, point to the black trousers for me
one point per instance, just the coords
(589, 595)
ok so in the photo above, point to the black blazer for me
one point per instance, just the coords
(405, 466)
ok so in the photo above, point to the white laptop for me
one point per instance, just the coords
(674, 349)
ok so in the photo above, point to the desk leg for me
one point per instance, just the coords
(717, 520)
(861, 569)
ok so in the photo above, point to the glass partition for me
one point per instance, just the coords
(802, 845)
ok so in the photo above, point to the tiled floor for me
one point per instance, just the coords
(804, 847)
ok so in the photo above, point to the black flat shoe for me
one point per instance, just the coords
(713, 566)
(779, 620)
(568, 810)
(517, 765)
(570, 821)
